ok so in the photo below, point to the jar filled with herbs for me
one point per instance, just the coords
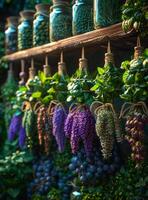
(60, 21)
(41, 25)
(25, 30)
(82, 20)
(106, 12)
(11, 35)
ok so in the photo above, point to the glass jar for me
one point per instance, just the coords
(41, 25)
(11, 35)
(106, 12)
(60, 21)
(25, 30)
(82, 21)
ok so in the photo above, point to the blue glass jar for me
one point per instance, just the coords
(82, 20)
(106, 12)
(60, 21)
(41, 25)
(11, 35)
(25, 30)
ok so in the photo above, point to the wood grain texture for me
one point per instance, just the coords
(113, 32)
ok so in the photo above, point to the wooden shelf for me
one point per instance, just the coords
(90, 39)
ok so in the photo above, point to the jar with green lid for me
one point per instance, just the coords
(60, 21)
(82, 20)
(41, 25)
(106, 12)
(25, 30)
(11, 35)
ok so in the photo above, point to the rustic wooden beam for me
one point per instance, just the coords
(113, 32)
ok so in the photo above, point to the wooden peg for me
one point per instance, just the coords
(62, 57)
(108, 47)
(138, 42)
(83, 53)
(32, 63)
(46, 60)
(22, 65)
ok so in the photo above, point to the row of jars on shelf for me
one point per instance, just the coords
(39, 28)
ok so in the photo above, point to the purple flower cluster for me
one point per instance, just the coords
(15, 129)
(58, 122)
(80, 126)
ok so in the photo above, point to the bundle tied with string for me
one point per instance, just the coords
(80, 84)
(29, 122)
(107, 127)
(44, 127)
(109, 57)
(32, 73)
(80, 128)
(59, 114)
(136, 115)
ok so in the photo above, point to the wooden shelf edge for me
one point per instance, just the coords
(113, 32)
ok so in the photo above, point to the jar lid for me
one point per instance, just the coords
(12, 20)
(27, 14)
(60, 2)
(43, 7)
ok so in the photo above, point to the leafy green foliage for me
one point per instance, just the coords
(62, 160)
(79, 88)
(135, 79)
(8, 96)
(54, 194)
(135, 15)
(2, 39)
(14, 167)
(58, 87)
(128, 184)
(107, 83)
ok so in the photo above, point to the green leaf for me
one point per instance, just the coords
(51, 90)
(125, 75)
(69, 99)
(100, 70)
(95, 87)
(36, 95)
(47, 99)
(125, 65)
(13, 192)
(42, 77)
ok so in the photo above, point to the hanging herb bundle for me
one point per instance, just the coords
(58, 92)
(58, 120)
(107, 127)
(135, 77)
(107, 87)
(135, 91)
(80, 84)
(80, 125)
(30, 124)
(134, 15)
(136, 116)
(58, 85)
(8, 95)
(108, 81)
(36, 115)
(80, 128)
(16, 128)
